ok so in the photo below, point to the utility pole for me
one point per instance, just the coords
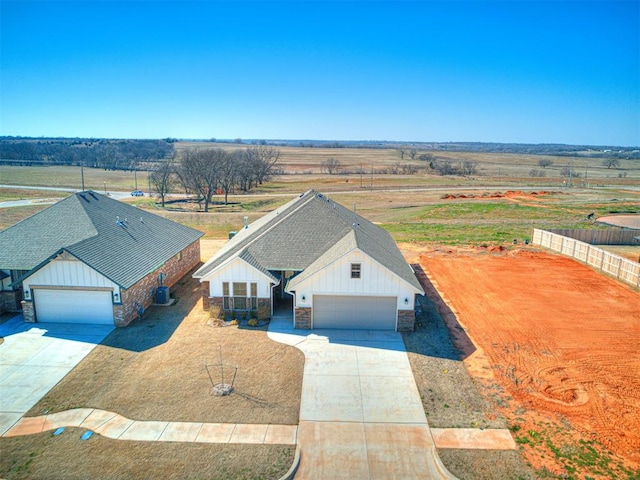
(135, 176)
(586, 176)
(371, 181)
(149, 181)
(82, 175)
(361, 172)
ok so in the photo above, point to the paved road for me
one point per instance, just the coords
(361, 416)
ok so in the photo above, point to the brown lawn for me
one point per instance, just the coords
(556, 349)
(154, 369)
(67, 457)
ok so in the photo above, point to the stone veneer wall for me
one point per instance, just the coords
(28, 312)
(208, 302)
(9, 301)
(406, 320)
(302, 318)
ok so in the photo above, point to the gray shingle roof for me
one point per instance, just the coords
(122, 242)
(311, 229)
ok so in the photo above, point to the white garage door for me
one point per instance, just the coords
(337, 311)
(73, 306)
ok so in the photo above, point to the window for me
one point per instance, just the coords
(254, 296)
(225, 296)
(355, 270)
(239, 296)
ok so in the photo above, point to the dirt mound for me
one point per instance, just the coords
(508, 194)
(561, 340)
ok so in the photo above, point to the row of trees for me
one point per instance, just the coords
(107, 154)
(208, 171)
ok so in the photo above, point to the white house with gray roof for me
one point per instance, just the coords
(92, 259)
(332, 267)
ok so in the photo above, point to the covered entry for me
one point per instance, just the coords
(356, 312)
(73, 306)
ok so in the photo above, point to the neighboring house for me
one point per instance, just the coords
(331, 267)
(91, 259)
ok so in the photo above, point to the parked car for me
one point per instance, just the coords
(137, 193)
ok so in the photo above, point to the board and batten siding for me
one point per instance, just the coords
(69, 273)
(238, 271)
(375, 280)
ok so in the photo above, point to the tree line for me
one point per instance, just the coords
(206, 172)
(97, 153)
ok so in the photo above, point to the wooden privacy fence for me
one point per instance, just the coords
(621, 268)
(624, 236)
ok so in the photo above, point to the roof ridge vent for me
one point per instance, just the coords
(355, 217)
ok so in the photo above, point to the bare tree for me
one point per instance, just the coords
(330, 165)
(412, 153)
(545, 162)
(265, 160)
(163, 178)
(534, 172)
(199, 172)
(426, 157)
(611, 162)
(228, 172)
(402, 152)
(469, 167)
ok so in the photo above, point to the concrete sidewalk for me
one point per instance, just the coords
(117, 427)
(361, 416)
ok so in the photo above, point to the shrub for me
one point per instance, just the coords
(253, 322)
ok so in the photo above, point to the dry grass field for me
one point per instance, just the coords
(461, 230)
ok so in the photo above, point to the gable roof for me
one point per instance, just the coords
(307, 228)
(120, 241)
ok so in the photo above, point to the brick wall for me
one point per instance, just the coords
(302, 318)
(143, 292)
(406, 320)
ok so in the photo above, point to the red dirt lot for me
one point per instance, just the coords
(561, 340)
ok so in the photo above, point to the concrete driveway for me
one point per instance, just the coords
(34, 357)
(361, 416)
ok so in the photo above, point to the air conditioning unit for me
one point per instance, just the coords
(162, 295)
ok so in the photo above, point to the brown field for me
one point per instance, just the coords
(555, 345)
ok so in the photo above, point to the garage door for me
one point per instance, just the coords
(338, 311)
(73, 306)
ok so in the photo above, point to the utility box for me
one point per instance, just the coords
(162, 295)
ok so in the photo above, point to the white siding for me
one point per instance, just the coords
(238, 271)
(375, 280)
(69, 273)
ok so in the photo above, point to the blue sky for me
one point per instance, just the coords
(506, 71)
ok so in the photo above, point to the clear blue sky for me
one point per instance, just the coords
(507, 71)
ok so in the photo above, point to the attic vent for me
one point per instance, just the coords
(246, 222)
(120, 222)
(83, 197)
(92, 193)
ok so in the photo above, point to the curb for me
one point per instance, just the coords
(294, 466)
